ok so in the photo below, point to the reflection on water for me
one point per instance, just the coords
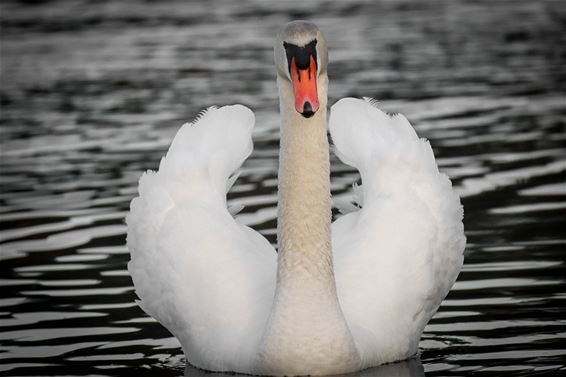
(407, 368)
(92, 94)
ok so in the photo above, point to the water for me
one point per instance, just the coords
(92, 93)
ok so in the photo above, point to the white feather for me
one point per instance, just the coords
(206, 278)
(398, 256)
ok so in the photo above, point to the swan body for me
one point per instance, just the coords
(335, 298)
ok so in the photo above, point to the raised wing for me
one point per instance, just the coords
(208, 279)
(398, 256)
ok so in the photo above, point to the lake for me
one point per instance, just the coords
(92, 93)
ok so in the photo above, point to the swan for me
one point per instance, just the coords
(336, 297)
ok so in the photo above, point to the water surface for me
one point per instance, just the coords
(92, 92)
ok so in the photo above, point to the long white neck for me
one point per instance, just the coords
(304, 211)
(307, 332)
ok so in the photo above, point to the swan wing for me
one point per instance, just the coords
(397, 257)
(208, 279)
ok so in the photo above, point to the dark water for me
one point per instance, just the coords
(92, 92)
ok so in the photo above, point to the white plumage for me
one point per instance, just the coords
(397, 257)
(217, 285)
(206, 278)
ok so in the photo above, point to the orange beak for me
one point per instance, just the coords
(304, 87)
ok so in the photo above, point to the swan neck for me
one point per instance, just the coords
(306, 314)
(304, 189)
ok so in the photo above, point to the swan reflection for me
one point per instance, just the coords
(407, 368)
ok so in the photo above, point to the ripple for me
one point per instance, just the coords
(62, 333)
(81, 258)
(492, 181)
(509, 355)
(8, 367)
(91, 99)
(79, 292)
(109, 306)
(69, 282)
(35, 351)
(63, 240)
(525, 208)
(51, 267)
(502, 282)
(122, 249)
(508, 266)
(115, 273)
(7, 302)
(20, 319)
(488, 325)
(549, 190)
(129, 356)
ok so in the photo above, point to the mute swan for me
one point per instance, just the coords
(335, 298)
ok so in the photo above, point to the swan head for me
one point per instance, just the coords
(301, 57)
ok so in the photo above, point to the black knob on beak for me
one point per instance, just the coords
(307, 110)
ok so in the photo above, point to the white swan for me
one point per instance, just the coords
(335, 298)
